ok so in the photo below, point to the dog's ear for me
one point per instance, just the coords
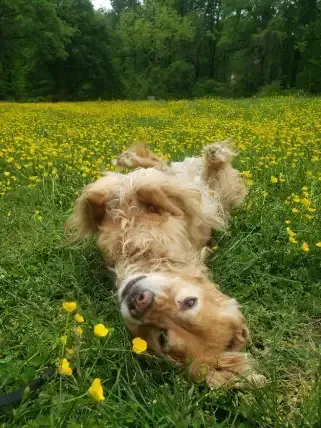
(177, 201)
(91, 208)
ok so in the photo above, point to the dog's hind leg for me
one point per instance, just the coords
(221, 177)
(139, 156)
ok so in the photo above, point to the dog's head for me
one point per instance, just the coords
(182, 318)
(145, 211)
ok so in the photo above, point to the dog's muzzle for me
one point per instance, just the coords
(137, 299)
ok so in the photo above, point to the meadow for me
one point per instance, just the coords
(269, 259)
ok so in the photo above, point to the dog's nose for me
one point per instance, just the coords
(143, 300)
(140, 301)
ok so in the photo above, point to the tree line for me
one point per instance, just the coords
(65, 50)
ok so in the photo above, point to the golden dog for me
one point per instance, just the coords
(152, 225)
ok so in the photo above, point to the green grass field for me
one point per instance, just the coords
(269, 259)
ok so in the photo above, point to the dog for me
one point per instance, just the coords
(152, 225)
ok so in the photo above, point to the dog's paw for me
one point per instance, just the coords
(252, 381)
(126, 159)
(218, 153)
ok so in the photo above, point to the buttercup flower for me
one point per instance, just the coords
(292, 240)
(318, 244)
(96, 390)
(69, 306)
(139, 345)
(295, 210)
(64, 367)
(290, 232)
(79, 318)
(100, 330)
(305, 247)
(79, 330)
(274, 179)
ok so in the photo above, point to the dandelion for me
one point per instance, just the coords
(79, 318)
(100, 330)
(96, 391)
(69, 306)
(64, 367)
(139, 345)
(305, 247)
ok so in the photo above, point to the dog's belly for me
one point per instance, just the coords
(190, 170)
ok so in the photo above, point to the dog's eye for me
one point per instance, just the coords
(189, 303)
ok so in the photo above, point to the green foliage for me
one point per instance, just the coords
(64, 49)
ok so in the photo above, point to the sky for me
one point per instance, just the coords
(101, 3)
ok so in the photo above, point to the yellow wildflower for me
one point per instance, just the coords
(63, 340)
(290, 232)
(306, 202)
(69, 306)
(288, 222)
(249, 182)
(247, 174)
(79, 330)
(274, 179)
(100, 330)
(70, 351)
(304, 188)
(295, 210)
(64, 367)
(296, 199)
(9, 214)
(6, 174)
(292, 240)
(79, 318)
(318, 244)
(311, 210)
(96, 390)
(139, 345)
(305, 247)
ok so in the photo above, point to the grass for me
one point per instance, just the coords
(48, 152)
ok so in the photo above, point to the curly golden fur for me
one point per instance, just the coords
(152, 225)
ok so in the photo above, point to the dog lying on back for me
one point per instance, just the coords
(152, 225)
